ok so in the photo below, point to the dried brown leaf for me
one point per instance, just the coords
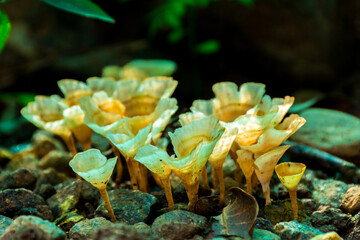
(238, 218)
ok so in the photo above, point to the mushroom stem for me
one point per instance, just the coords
(294, 205)
(105, 197)
(254, 181)
(237, 172)
(132, 173)
(143, 178)
(192, 193)
(205, 178)
(157, 180)
(215, 180)
(167, 188)
(220, 176)
(248, 184)
(70, 143)
(119, 167)
(266, 191)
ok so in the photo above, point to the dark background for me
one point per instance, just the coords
(290, 46)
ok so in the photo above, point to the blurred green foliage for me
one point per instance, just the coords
(5, 27)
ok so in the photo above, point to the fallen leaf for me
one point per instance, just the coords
(238, 218)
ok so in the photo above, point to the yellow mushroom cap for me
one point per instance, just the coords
(290, 173)
(127, 142)
(73, 90)
(265, 164)
(273, 136)
(93, 167)
(74, 120)
(106, 84)
(47, 113)
(153, 158)
(112, 71)
(246, 161)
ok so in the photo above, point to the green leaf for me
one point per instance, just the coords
(4, 29)
(82, 7)
(208, 47)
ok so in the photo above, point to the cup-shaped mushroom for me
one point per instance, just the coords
(152, 157)
(47, 113)
(73, 90)
(246, 161)
(274, 136)
(112, 71)
(264, 168)
(74, 120)
(106, 84)
(290, 174)
(92, 166)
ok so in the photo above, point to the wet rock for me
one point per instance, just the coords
(68, 220)
(177, 206)
(45, 142)
(129, 206)
(58, 160)
(89, 193)
(327, 236)
(142, 227)
(262, 223)
(281, 211)
(4, 223)
(328, 219)
(50, 176)
(31, 227)
(332, 131)
(86, 228)
(207, 206)
(178, 224)
(310, 205)
(329, 192)
(121, 231)
(351, 201)
(45, 190)
(260, 234)
(27, 160)
(21, 178)
(66, 197)
(16, 202)
(294, 230)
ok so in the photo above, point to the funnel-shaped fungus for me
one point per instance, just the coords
(246, 161)
(97, 84)
(74, 120)
(220, 151)
(47, 113)
(73, 90)
(264, 168)
(152, 158)
(128, 143)
(290, 174)
(193, 144)
(140, 69)
(145, 100)
(92, 166)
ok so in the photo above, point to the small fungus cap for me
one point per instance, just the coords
(47, 113)
(93, 167)
(290, 173)
(73, 90)
(106, 84)
(153, 67)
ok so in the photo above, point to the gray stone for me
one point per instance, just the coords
(329, 192)
(21, 178)
(332, 131)
(57, 159)
(294, 230)
(66, 197)
(328, 236)
(178, 224)
(351, 201)
(31, 227)
(328, 219)
(122, 231)
(281, 211)
(262, 223)
(86, 228)
(16, 202)
(260, 234)
(129, 206)
(4, 223)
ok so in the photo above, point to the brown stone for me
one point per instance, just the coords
(351, 201)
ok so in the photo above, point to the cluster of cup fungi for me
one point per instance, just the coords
(132, 105)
